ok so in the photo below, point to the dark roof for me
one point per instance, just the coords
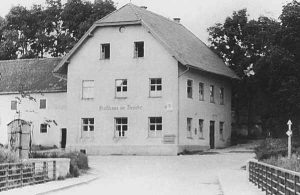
(183, 45)
(30, 75)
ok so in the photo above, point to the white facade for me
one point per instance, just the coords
(137, 106)
(137, 83)
(54, 114)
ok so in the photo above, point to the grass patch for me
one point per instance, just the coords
(292, 164)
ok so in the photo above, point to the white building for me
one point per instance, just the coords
(139, 83)
(28, 90)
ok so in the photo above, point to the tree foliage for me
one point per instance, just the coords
(51, 30)
(264, 53)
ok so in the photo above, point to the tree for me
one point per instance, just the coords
(278, 72)
(241, 43)
(74, 16)
(264, 53)
(78, 16)
(8, 47)
(50, 30)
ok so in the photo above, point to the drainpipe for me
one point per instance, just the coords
(178, 95)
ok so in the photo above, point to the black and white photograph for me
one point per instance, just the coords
(150, 97)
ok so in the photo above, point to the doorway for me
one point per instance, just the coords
(212, 134)
(63, 138)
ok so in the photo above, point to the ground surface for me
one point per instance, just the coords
(187, 174)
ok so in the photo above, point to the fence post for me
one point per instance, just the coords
(266, 180)
(258, 176)
(271, 180)
(54, 170)
(33, 172)
(295, 184)
(278, 180)
(21, 173)
(285, 183)
(6, 176)
(44, 171)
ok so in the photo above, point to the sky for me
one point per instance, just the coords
(196, 15)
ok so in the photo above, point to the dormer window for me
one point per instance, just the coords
(105, 51)
(139, 49)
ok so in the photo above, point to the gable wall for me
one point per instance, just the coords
(86, 65)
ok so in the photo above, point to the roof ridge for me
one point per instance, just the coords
(135, 13)
(161, 16)
(99, 21)
(30, 59)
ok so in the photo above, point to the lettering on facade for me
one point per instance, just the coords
(117, 108)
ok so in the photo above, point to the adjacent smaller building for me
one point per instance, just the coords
(29, 91)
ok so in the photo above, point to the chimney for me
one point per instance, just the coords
(143, 7)
(176, 20)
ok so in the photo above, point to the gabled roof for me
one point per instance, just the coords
(30, 75)
(183, 45)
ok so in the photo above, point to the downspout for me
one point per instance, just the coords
(178, 95)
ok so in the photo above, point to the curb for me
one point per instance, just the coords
(69, 186)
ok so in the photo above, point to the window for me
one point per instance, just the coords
(212, 94)
(189, 127)
(221, 130)
(87, 89)
(155, 87)
(201, 91)
(189, 88)
(138, 49)
(43, 128)
(87, 124)
(121, 88)
(42, 103)
(200, 128)
(13, 105)
(222, 96)
(121, 126)
(105, 51)
(155, 126)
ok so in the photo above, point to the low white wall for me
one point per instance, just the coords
(62, 165)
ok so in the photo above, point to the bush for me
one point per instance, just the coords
(7, 156)
(283, 162)
(78, 160)
(238, 139)
(271, 147)
(41, 147)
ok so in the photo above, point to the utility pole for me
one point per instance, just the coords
(289, 133)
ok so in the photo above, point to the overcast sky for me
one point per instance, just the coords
(196, 15)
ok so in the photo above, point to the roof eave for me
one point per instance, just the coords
(214, 73)
(36, 91)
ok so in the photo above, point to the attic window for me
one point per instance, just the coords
(105, 51)
(139, 49)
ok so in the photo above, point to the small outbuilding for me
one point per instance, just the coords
(19, 137)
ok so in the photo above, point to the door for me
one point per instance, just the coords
(212, 134)
(63, 138)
